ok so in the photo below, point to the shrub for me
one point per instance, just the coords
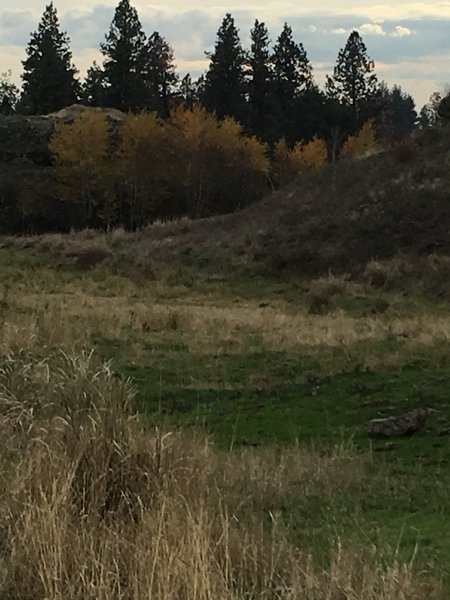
(390, 273)
(89, 257)
(322, 292)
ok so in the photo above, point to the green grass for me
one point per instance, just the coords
(325, 409)
(404, 503)
(247, 395)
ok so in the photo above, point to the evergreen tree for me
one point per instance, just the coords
(292, 79)
(397, 115)
(292, 69)
(429, 114)
(404, 115)
(125, 55)
(160, 75)
(354, 82)
(49, 81)
(260, 82)
(94, 91)
(224, 90)
(308, 116)
(9, 94)
(444, 109)
(6, 107)
(189, 91)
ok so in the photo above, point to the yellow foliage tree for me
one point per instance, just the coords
(256, 152)
(288, 163)
(283, 166)
(81, 161)
(193, 164)
(193, 132)
(311, 156)
(220, 168)
(364, 143)
(144, 166)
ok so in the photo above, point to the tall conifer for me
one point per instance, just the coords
(224, 91)
(260, 79)
(125, 53)
(49, 77)
(292, 69)
(159, 74)
(353, 82)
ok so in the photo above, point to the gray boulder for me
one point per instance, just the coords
(403, 425)
(26, 138)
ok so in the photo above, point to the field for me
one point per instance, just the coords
(248, 471)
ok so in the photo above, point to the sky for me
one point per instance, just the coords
(409, 41)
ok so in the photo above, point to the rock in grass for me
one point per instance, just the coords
(403, 425)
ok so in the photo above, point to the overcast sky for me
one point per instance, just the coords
(409, 41)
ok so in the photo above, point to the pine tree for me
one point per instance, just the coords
(292, 79)
(292, 69)
(353, 82)
(397, 116)
(190, 91)
(309, 116)
(444, 109)
(49, 77)
(94, 92)
(429, 114)
(160, 75)
(9, 94)
(125, 52)
(260, 80)
(224, 91)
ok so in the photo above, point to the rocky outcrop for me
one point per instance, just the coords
(403, 425)
(26, 169)
(25, 138)
(68, 114)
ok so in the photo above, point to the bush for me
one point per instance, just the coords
(89, 257)
(322, 292)
(432, 273)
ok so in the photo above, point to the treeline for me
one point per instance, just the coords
(128, 174)
(269, 88)
(255, 120)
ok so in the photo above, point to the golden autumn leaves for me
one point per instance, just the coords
(192, 164)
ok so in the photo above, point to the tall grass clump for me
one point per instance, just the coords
(93, 504)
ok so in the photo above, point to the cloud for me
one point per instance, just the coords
(371, 29)
(398, 36)
(15, 27)
(422, 76)
(401, 31)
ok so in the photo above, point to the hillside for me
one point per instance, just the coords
(393, 203)
(374, 208)
(177, 428)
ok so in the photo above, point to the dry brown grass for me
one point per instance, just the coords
(322, 291)
(92, 505)
(70, 320)
(431, 273)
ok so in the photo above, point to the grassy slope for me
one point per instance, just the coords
(261, 360)
(339, 219)
(244, 359)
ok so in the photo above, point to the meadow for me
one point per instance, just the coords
(176, 432)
